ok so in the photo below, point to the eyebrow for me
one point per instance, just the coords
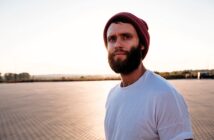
(121, 34)
(126, 33)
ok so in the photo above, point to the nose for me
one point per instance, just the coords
(118, 43)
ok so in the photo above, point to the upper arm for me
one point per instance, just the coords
(172, 118)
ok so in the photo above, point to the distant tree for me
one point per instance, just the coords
(157, 72)
(13, 77)
(1, 78)
(63, 78)
(23, 76)
(82, 77)
(10, 77)
(165, 74)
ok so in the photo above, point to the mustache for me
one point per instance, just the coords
(119, 50)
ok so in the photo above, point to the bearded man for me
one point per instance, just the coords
(143, 106)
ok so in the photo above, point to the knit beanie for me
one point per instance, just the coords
(139, 25)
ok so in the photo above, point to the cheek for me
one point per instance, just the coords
(110, 50)
(130, 44)
(135, 42)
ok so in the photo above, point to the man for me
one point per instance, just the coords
(144, 106)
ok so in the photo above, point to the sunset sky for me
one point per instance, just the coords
(65, 36)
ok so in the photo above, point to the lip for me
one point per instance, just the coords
(120, 53)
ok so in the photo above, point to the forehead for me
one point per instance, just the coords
(120, 28)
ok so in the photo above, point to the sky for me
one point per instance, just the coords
(66, 36)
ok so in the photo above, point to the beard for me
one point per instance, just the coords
(129, 64)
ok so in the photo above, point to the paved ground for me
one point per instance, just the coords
(75, 110)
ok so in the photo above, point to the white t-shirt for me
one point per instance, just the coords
(149, 109)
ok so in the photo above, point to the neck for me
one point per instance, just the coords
(128, 79)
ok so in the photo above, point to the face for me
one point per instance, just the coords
(124, 49)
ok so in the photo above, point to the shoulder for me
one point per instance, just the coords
(158, 83)
(112, 93)
(167, 99)
(114, 90)
(163, 91)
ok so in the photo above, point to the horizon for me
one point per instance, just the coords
(65, 37)
(105, 74)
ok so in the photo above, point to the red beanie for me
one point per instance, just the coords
(139, 25)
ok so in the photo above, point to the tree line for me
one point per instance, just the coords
(15, 77)
(188, 74)
(26, 77)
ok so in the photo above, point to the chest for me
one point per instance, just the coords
(131, 115)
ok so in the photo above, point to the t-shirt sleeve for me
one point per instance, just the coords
(172, 117)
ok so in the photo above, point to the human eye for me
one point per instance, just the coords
(112, 39)
(126, 36)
